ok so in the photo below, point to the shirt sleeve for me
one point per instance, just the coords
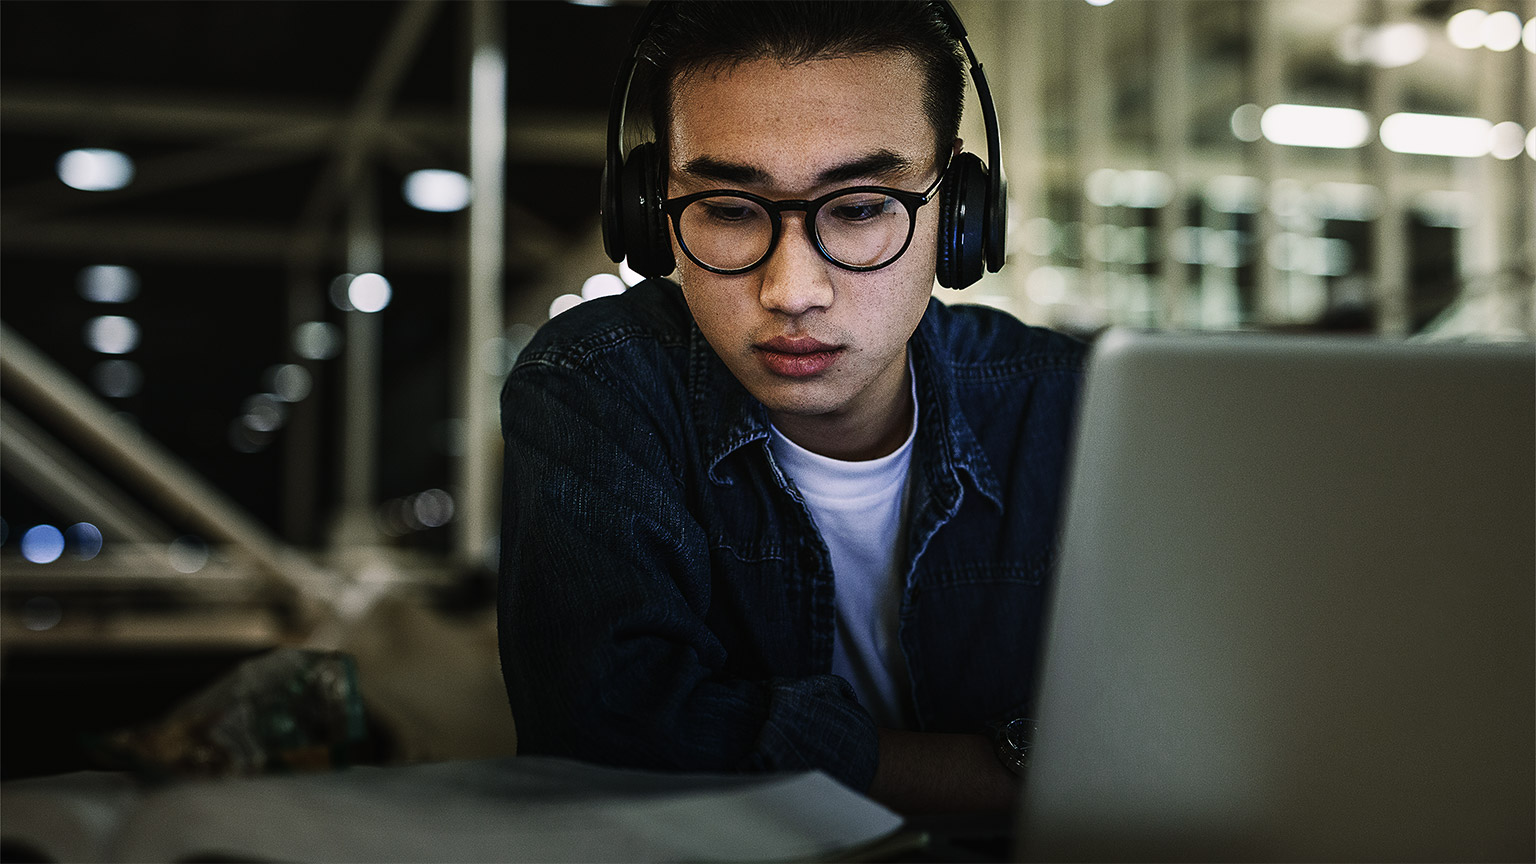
(603, 592)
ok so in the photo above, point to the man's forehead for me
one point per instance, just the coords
(764, 122)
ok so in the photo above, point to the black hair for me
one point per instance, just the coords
(699, 34)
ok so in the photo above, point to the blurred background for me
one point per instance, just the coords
(265, 264)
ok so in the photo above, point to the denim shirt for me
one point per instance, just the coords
(665, 600)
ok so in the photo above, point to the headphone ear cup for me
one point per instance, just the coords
(643, 223)
(613, 226)
(962, 222)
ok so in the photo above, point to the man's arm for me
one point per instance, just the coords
(931, 772)
(606, 578)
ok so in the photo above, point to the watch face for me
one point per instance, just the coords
(1019, 734)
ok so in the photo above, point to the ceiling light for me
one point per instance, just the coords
(602, 285)
(1395, 45)
(1506, 140)
(95, 170)
(105, 283)
(369, 292)
(1315, 126)
(112, 334)
(564, 302)
(1436, 135)
(437, 190)
(1245, 122)
(1501, 31)
(1465, 28)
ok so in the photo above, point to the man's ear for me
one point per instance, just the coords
(959, 145)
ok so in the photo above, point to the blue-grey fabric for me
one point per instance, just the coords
(665, 601)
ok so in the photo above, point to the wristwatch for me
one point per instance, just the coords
(1012, 740)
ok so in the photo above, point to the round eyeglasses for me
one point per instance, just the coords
(728, 231)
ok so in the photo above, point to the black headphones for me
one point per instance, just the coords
(973, 202)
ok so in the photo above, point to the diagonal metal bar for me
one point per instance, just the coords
(146, 464)
(39, 462)
(357, 135)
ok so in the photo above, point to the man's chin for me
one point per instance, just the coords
(797, 398)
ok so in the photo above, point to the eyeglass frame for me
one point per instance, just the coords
(912, 201)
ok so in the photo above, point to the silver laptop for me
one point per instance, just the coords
(1295, 617)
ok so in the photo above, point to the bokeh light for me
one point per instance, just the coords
(1315, 126)
(1245, 122)
(112, 334)
(564, 303)
(1436, 134)
(42, 544)
(1046, 285)
(95, 169)
(1501, 31)
(41, 613)
(289, 382)
(433, 508)
(117, 379)
(437, 190)
(83, 540)
(369, 292)
(602, 285)
(1506, 140)
(1465, 28)
(317, 340)
(338, 291)
(108, 283)
(263, 412)
(188, 554)
(244, 439)
(628, 274)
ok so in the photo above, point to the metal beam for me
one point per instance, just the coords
(548, 137)
(147, 464)
(478, 480)
(246, 243)
(39, 462)
(355, 139)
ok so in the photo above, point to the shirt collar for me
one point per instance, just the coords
(728, 417)
(952, 446)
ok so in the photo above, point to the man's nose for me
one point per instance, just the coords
(795, 276)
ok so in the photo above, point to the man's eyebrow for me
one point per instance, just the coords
(710, 168)
(878, 164)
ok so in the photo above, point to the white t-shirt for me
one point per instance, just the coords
(860, 508)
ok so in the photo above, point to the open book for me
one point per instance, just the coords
(512, 809)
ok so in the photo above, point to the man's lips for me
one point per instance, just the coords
(796, 357)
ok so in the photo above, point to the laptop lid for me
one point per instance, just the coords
(1294, 617)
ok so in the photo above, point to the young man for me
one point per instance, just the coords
(793, 513)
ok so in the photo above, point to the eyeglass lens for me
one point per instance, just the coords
(859, 229)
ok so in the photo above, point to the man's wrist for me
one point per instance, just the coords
(1012, 740)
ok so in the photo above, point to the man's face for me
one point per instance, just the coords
(820, 346)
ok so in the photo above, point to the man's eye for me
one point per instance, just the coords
(726, 212)
(862, 210)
